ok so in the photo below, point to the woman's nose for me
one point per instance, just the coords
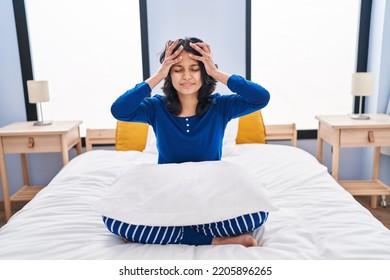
(186, 75)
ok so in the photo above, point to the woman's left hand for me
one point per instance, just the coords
(208, 62)
(206, 57)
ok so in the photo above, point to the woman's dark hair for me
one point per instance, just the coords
(208, 83)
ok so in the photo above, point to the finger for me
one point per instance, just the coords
(171, 47)
(174, 61)
(168, 59)
(202, 46)
(197, 57)
(204, 56)
(168, 52)
(200, 49)
(179, 50)
(175, 54)
(208, 47)
(167, 45)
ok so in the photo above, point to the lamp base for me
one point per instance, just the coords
(41, 123)
(359, 117)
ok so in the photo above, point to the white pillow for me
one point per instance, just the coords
(229, 147)
(183, 194)
(150, 146)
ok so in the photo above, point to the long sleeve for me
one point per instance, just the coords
(249, 97)
(133, 105)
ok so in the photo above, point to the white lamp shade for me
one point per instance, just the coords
(362, 84)
(38, 91)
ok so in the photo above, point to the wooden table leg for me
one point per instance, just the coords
(4, 182)
(79, 148)
(320, 144)
(335, 161)
(375, 174)
(64, 150)
(26, 177)
(377, 158)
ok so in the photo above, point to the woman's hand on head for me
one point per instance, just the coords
(208, 62)
(206, 57)
(170, 57)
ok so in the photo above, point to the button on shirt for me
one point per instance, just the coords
(187, 126)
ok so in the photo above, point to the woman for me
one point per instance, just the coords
(189, 122)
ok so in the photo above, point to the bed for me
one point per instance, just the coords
(316, 217)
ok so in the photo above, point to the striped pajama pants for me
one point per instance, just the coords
(191, 235)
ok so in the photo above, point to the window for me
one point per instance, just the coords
(89, 51)
(304, 53)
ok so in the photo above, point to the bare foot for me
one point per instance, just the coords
(244, 239)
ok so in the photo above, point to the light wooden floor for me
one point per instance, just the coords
(382, 214)
(15, 207)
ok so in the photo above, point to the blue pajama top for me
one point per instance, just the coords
(184, 139)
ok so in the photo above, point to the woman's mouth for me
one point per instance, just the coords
(186, 84)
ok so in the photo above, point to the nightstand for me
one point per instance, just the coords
(341, 131)
(24, 138)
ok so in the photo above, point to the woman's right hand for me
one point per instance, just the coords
(170, 59)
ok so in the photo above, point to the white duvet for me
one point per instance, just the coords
(316, 219)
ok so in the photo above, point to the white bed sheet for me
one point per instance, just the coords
(316, 219)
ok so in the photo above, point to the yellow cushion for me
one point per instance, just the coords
(251, 129)
(131, 136)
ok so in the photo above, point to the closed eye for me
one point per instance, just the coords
(177, 68)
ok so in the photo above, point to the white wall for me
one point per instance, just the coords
(44, 167)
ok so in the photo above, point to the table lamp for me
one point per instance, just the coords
(38, 92)
(362, 85)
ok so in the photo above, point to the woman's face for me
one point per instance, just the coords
(186, 75)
